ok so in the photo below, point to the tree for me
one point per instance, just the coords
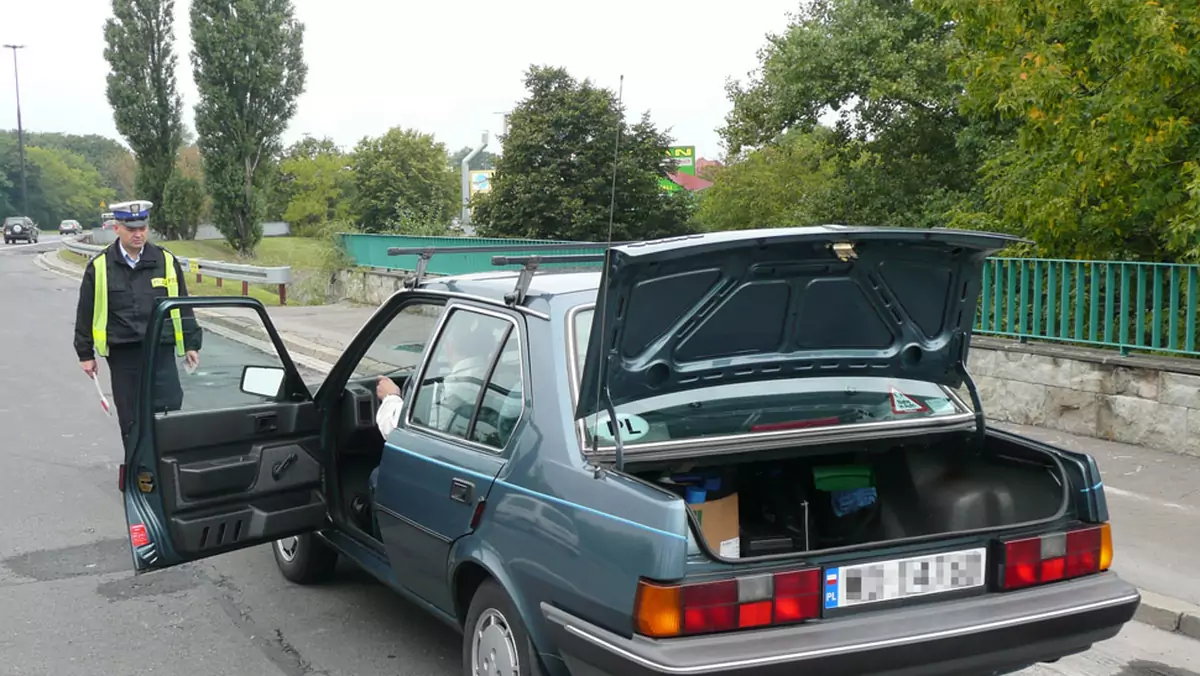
(248, 65)
(1103, 96)
(319, 183)
(63, 185)
(403, 177)
(139, 47)
(554, 180)
(117, 166)
(799, 180)
(883, 66)
(183, 207)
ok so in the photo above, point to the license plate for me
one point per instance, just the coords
(897, 579)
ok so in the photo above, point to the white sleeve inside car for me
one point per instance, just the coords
(388, 415)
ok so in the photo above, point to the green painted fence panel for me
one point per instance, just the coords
(1145, 307)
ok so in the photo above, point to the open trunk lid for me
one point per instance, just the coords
(755, 305)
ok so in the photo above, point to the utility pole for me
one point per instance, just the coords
(20, 131)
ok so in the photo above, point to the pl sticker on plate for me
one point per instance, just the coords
(632, 428)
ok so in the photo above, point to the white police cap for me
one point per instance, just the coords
(134, 214)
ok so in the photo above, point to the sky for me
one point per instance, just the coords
(450, 69)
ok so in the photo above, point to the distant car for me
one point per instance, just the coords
(722, 454)
(69, 227)
(20, 228)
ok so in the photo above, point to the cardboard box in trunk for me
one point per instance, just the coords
(719, 525)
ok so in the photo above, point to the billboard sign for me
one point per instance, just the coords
(685, 163)
(481, 181)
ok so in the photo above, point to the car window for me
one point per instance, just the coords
(217, 383)
(448, 394)
(398, 348)
(765, 406)
(503, 400)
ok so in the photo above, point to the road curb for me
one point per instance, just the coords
(296, 346)
(50, 262)
(1169, 614)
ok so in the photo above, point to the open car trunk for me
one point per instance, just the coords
(842, 496)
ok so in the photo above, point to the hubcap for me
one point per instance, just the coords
(493, 648)
(287, 548)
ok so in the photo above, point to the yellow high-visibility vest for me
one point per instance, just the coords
(100, 306)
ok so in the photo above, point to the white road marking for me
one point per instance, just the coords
(1130, 495)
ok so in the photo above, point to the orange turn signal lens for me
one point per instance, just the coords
(1106, 546)
(658, 610)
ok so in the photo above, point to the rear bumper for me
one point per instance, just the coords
(989, 634)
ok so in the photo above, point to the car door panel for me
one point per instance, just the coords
(239, 471)
(419, 513)
(433, 475)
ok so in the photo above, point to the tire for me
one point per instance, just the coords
(494, 630)
(304, 559)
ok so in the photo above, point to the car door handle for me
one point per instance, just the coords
(266, 422)
(462, 491)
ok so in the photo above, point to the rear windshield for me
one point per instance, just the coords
(772, 406)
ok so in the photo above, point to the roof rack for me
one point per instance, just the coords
(529, 263)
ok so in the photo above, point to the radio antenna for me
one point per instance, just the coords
(612, 198)
(618, 447)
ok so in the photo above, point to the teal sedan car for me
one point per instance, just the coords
(754, 452)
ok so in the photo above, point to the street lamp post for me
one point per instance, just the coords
(20, 131)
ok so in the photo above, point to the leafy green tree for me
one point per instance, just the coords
(402, 177)
(109, 157)
(554, 180)
(183, 207)
(140, 50)
(64, 186)
(248, 65)
(883, 66)
(10, 174)
(320, 187)
(1104, 162)
(798, 180)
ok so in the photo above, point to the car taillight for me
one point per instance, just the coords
(746, 602)
(1058, 556)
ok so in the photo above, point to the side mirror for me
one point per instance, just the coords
(263, 381)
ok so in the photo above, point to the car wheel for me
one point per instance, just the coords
(304, 559)
(495, 640)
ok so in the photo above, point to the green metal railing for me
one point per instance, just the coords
(371, 251)
(1112, 304)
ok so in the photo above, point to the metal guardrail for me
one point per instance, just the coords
(220, 270)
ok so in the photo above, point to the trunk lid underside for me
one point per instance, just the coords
(757, 305)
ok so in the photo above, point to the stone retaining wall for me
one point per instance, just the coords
(1147, 401)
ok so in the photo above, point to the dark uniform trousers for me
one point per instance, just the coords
(125, 368)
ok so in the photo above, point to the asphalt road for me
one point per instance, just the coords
(69, 606)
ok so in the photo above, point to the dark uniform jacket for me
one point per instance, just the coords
(131, 300)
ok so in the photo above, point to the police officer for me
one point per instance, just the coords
(120, 288)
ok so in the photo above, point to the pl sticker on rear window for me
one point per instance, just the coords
(632, 427)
